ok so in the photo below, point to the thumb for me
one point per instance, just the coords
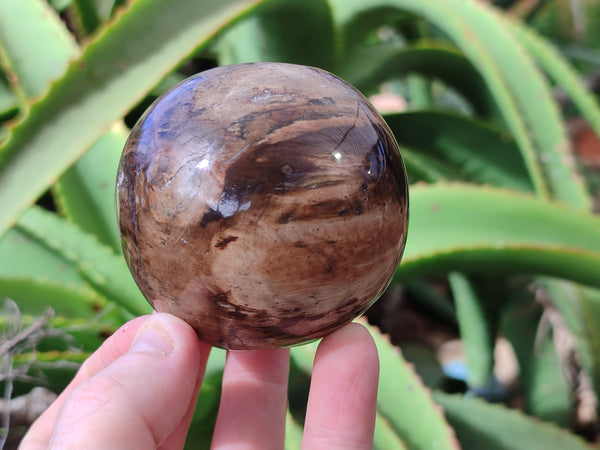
(141, 400)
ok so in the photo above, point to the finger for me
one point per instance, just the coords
(253, 400)
(343, 394)
(142, 397)
(116, 345)
(177, 438)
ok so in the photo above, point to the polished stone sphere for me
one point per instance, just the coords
(265, 204)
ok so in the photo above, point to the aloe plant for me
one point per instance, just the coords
(500, 209)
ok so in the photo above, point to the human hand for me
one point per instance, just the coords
(139, 390)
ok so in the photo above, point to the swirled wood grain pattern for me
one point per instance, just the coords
(266, 204)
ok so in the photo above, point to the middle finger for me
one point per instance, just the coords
(253, 399)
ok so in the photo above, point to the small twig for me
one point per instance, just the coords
(8, 387)
(25, 409)
(14, 340)
(570, 361)
(579, 18)
(9, 346)
(524, 8)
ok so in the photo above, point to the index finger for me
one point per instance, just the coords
(120, 376)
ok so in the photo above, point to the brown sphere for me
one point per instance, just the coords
(265, 204)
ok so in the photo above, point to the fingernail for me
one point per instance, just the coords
(153, 337)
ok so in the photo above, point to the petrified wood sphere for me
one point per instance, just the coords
(265, 204)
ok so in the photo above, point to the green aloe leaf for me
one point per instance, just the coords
(406, 403)
(57, 367)
(59, 5)
(385, 437)
(403, 403)
(84, 334)
(85, 192)
(23, 257)
(482, 229)
(73, 333)
(477, 330)
(427, 58)
(570, 299)
(425, 362)
(34, 296)
(114, 72)
(579, 307)
(423, 167)
(494, 427)
(99, 265)
(559, 70)
(272, 34)
(93, 13)
(9, 103)
(42, 359)
(420, 92)
(546, 392)
(551, 148)
(357, 23)
(522, 95)
(466, 149)
(36, 44)
(293, 433)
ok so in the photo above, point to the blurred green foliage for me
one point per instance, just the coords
(501, 215)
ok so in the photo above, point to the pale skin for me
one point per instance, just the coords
(139, 389)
